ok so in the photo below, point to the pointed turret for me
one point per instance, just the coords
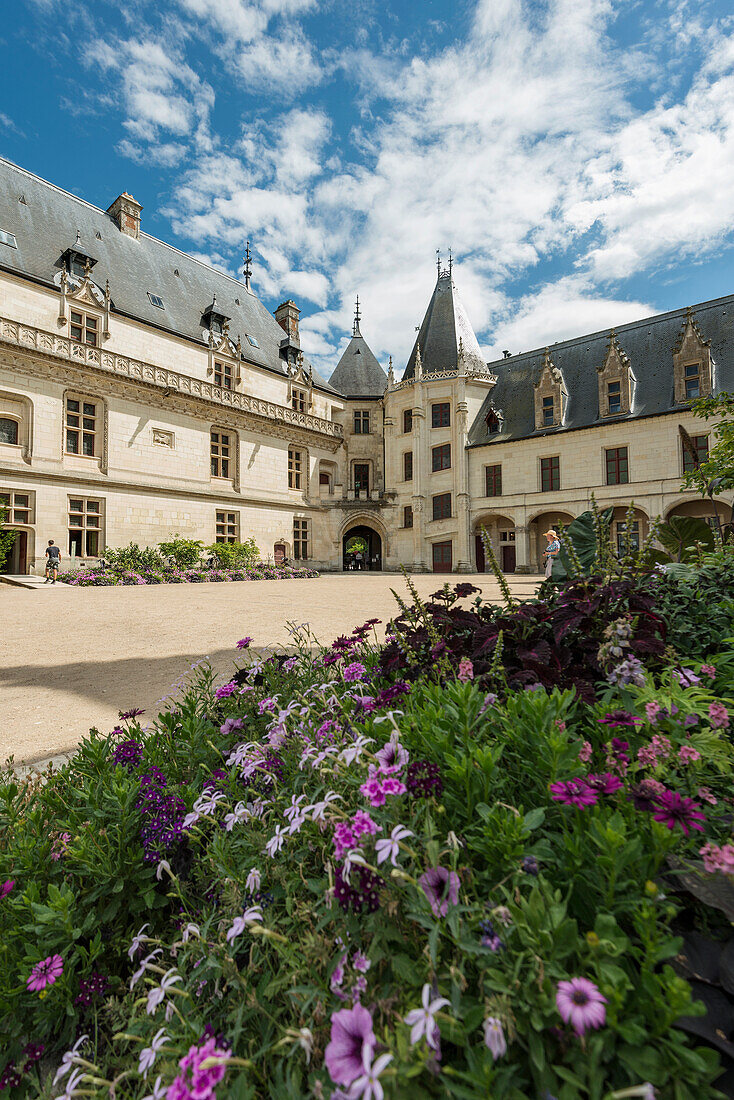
(446, 328)
(358, 374)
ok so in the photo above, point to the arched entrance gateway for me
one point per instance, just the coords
(501, 532)
(361, 549)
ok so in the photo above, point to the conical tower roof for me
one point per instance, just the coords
(358, 374)
(445, 324)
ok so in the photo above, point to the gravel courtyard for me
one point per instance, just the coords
(72, 658)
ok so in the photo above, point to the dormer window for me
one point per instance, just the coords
(214, 320)
(615, 380)
(693, 365)
(76, 262)
(492, 421)
(550, 395)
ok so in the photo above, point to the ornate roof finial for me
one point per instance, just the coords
(357, 318)
(418, 361)
(78, 237)
(247, 268)
(390, 374)
(451, 261)
(438, 261)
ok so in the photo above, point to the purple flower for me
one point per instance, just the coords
(581, 1004)
(126, 714)
(352, 1036)
(441, 887)
(423, 779)
(673, 809)
(361, 892)
(421, 1021)
(194, 1082)
(494, 1037)
(686, 677)
(6, 887)
(45, 973)
(129, 754)
(606, 783)
(355, 671)
(530, 865)
(230, 725)
(225, 690)
(645, 795)
(392, 753)
(619, 718)
(574, 792)
(243, 643)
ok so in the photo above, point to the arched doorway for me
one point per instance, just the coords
(15, 562)
(539, 524)
(361, 550)
(501, 532)
(702, 508)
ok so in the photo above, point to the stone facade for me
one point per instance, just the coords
(115, 428)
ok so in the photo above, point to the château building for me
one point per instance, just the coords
(144, 394)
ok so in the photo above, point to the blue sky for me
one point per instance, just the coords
(576, 155)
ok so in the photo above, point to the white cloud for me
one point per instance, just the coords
(285, 63)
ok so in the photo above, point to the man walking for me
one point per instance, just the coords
(53, 560)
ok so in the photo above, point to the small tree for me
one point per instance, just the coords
(7, 535)
(716, 473)
(184, 553)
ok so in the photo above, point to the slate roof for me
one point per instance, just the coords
(46, 224)
(445, 323)
(358, 374)
(649, 345)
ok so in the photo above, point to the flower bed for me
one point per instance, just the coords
(90, 578)
(329, 876)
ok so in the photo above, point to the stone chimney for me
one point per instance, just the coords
(125, 213)
(287, 315)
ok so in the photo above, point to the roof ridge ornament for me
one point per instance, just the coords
(693, 323)
(357, 319)
(247, 266)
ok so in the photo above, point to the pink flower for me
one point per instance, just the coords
(604, 783)
(195, 1082)
(686, 677)
(466, 670)
(662, 746)
(718, 859)
(352, 1039)
(673, 809)
(360, 962)
(355, 671)
(585, 752)
(708, 670)
(581, 1004)
(6, 887)
(718, 716)
(705, 795)
(652, 710)
(688, 755)
(363, 824)
(441, 887)
(45, 973)
(372, 790)
(574, 792)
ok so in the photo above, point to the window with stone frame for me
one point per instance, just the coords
(617, 465)
(407, 516)
(441, 457)
(361, 422)
(442, 506)
(223, 374)
(692, 362)
(19, 506)
(407, 421)
(701, 447)
(82, 422)
(295, 468)
(221, 453)
(9, 430)
(408, 466)
(227, 527)
(550, 395)
(550, 474)
(299, 400)
(441, 414)
(614, 397)
(627, 540)
(84, 327)
(493, 481)
(85, 527)
(300, 540)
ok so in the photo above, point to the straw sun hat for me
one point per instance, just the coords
(550, 531)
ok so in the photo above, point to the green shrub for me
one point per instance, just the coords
(231, 555)
(133, 558)
(183, 553)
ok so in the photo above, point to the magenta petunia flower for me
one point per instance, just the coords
(674, 809)
(574, 792)
(6, 887)
(619, 718)
(355, 671)
(352, 1036)
(581, 1004)
(441, 887)
(45, 973)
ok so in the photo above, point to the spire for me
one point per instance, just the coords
(357, 318)
(247, 266)
(446, 341)
(358, 374)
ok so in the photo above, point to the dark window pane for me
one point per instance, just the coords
(408, 466)
(72, 443)
(92, 544)
(88, 445)
(8, 431)
(72, 406)
(441, 415)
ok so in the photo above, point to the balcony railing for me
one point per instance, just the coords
(62, 347)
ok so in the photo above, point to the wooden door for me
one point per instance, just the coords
(479, 548)
(442, 557)
(508, 558)
(279, 553)
(361, 477)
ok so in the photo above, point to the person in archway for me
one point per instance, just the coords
(552, 550)
(53, 560)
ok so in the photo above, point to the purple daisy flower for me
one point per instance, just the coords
(441, 887)
(619, 718)
(673, 809)
(581, 1004)
(352, 1037)
(574, 792)
(606, 783)
(45, 973)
